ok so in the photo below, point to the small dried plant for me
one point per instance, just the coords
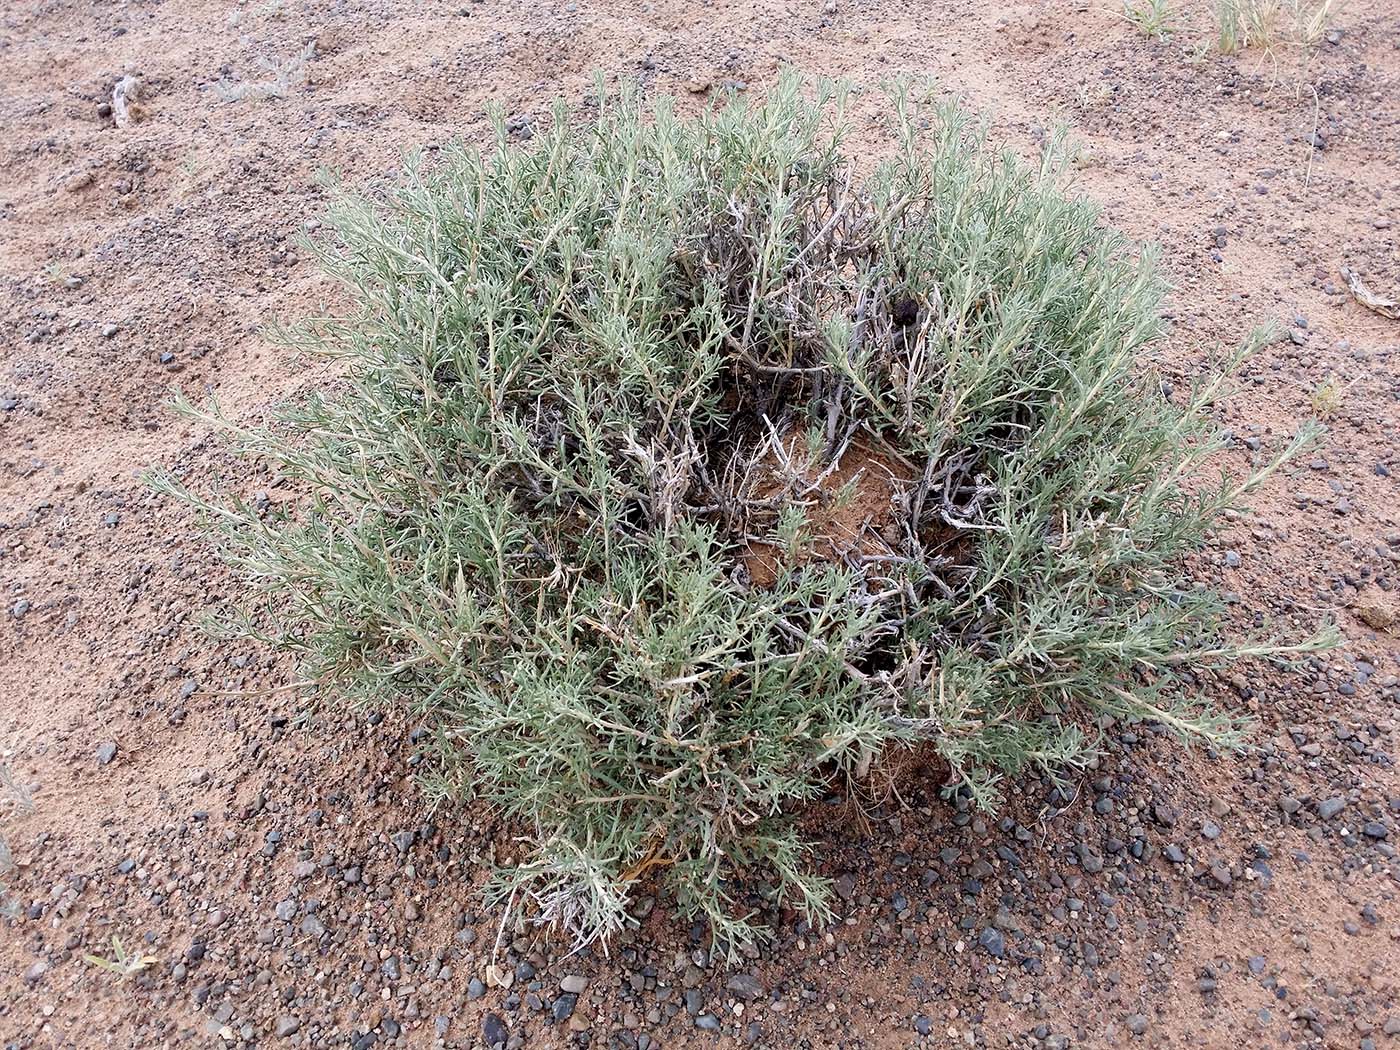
(17, 799)
(121, 962)
(1152, 18)
(283, 75)
(1271, 25)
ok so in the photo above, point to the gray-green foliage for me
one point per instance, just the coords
(585, 381)
(17, 800)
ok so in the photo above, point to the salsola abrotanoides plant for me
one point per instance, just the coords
(673, 470)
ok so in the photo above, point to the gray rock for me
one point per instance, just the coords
(745, 985)
(992, 942)
(1330, 807)
(573, 983)
(106, 751)
(563, 1008)
(1137, 1023)
(494, 1031)
(287, 1025)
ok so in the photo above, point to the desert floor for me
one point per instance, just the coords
(272, 856)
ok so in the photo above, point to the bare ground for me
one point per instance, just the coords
(270, 854)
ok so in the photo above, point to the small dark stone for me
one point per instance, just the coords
(992, 942)
(563, 1007)
(494, 1031)
(745, 986)
(846, 886)
(1330, 807)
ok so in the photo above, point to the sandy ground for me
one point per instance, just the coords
(270, 854)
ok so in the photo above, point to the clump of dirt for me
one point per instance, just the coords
(852, 504)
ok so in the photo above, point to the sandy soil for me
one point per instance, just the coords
(270, 854)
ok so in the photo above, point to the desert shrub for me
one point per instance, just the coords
(673, 469)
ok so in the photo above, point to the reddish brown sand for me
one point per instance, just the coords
(141, 258)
